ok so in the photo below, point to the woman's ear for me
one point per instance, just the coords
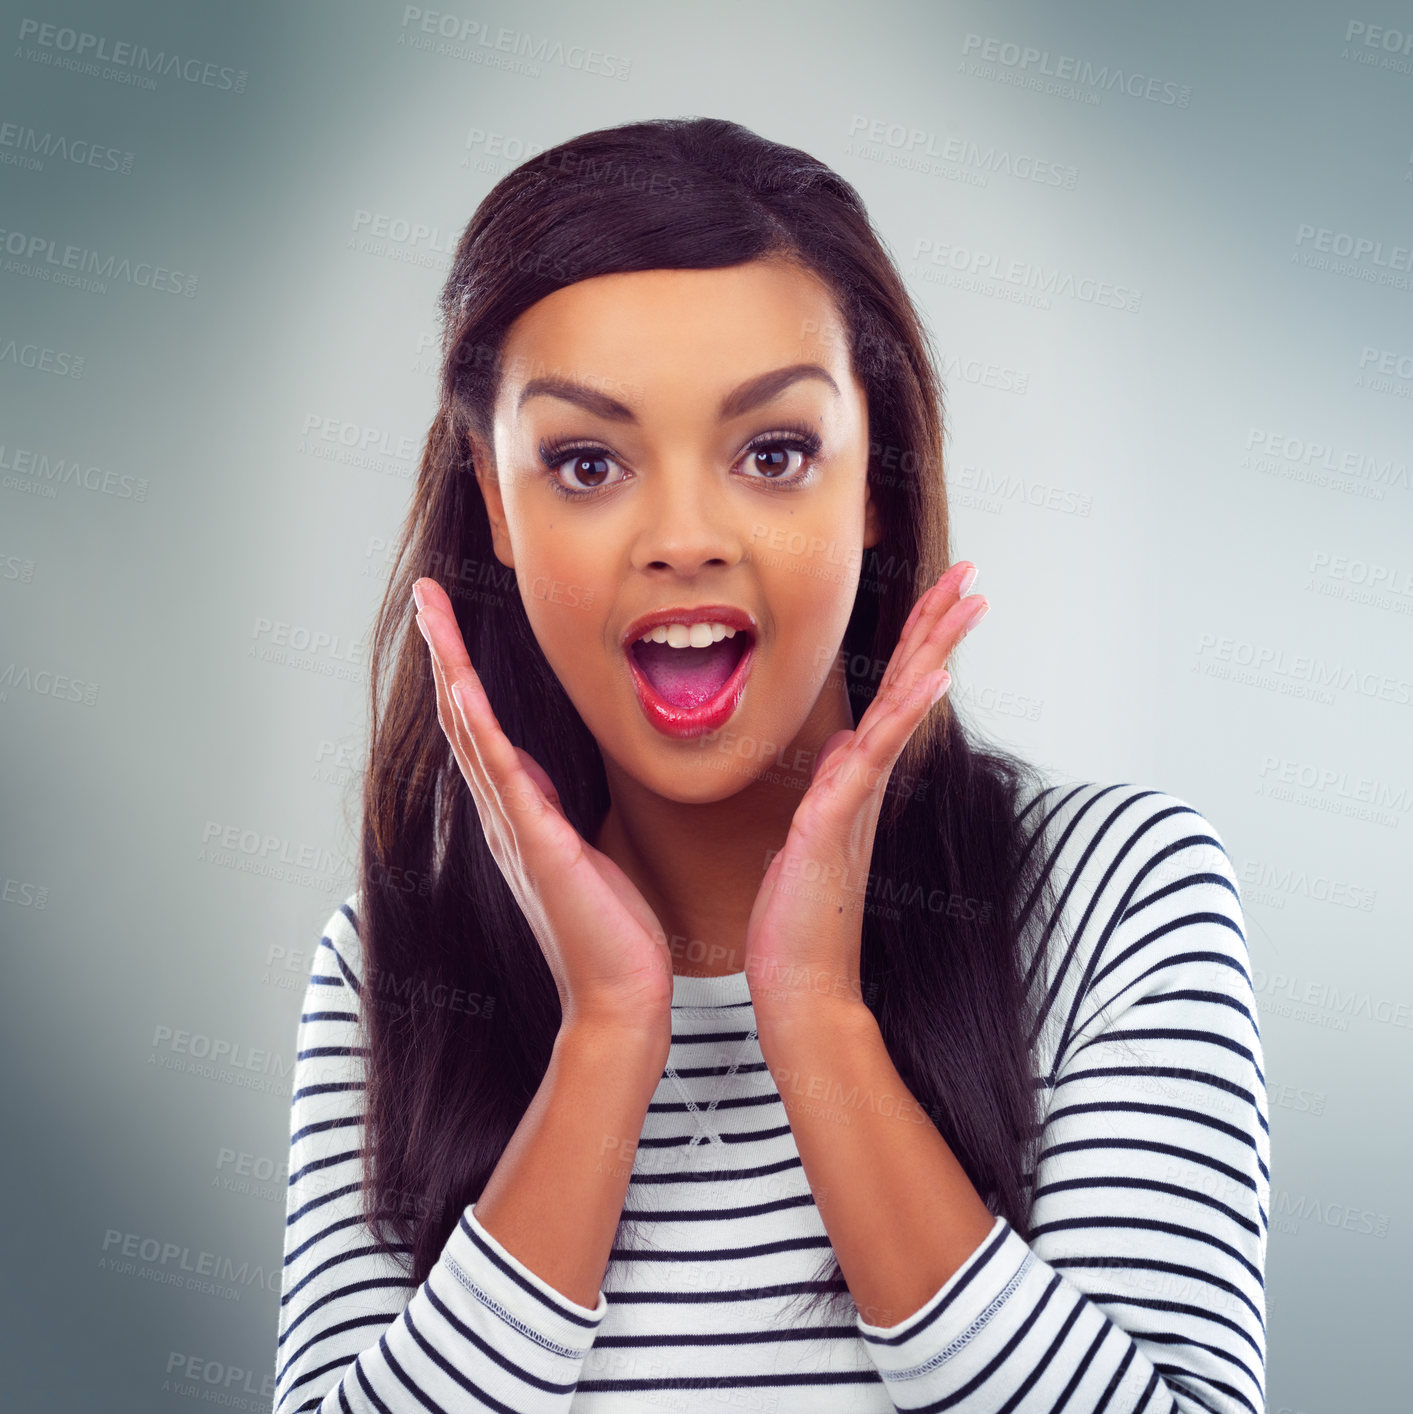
(484, 466)
(873, 522)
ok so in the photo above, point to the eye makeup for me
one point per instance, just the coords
(798, 436)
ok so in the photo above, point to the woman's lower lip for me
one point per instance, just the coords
(682, 722)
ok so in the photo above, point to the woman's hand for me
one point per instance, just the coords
(805, 933)
(606, 949)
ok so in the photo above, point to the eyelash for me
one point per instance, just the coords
(794, 436)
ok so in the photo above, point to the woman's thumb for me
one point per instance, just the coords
(540, 776)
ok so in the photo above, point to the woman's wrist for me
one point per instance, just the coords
(618, 1042)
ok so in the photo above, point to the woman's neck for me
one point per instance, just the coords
(700, 866)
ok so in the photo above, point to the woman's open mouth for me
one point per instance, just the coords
(688, 690)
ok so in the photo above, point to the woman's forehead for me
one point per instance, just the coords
(644, 330)
(780, 300)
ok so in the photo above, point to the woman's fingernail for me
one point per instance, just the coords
(967, 580)
(940, 690)
(418, 595)
(423, 627)
(977, 617)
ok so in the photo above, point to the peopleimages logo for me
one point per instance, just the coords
(42, 256)
(988, 271)
(457, 37)
(174, 1263)
(1278, 451)
(1357, 257)
(27, 147)
(53, 471)
(64, 47)
(1036, 65)
(913, 146)
(57, 361)
(1379, 47)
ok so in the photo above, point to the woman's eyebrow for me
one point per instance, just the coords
(751, 394)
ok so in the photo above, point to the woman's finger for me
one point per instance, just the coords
(448, 650)
(932, 607)
(936, 643)
(516, 791)
(941, 598)
(540, 776)
(907, 699)
(858, 771)
(437, 619)
(908, 690)
(922, 600)
(452, 721)
(506, 779)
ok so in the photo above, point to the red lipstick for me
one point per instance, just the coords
(684, 719)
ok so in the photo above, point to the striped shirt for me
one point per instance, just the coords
(1141, 1287)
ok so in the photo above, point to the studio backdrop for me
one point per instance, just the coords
(1166, 254)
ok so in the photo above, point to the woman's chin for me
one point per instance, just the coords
(713, 767)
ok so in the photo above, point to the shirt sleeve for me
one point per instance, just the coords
(1141, 1287)
(483, 1331)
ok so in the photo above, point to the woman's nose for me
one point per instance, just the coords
(689, 523)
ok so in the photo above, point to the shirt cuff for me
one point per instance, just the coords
(957, 1313)
(491, 1279)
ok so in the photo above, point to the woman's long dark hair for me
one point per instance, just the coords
(459, 1007)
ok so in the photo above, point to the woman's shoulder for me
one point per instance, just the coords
(1102, 832)
(1142, 894)
(339, 953)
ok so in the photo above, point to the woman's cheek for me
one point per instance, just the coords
(569, 606)
(810, 612)
(821, 542)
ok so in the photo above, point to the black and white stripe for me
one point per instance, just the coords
(1141, 1288)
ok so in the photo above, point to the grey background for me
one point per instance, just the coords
(1192, 521)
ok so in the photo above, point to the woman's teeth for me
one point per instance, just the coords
(680, 671)
(688, 635)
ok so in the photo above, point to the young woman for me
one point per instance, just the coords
(717, 1024)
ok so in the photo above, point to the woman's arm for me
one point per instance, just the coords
(1142, 1286)
(503, 1318)
(557, 1194)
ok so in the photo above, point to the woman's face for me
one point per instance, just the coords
(691, 444)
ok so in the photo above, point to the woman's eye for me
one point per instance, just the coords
(578, 472)
(776, 461)
(586, 472)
